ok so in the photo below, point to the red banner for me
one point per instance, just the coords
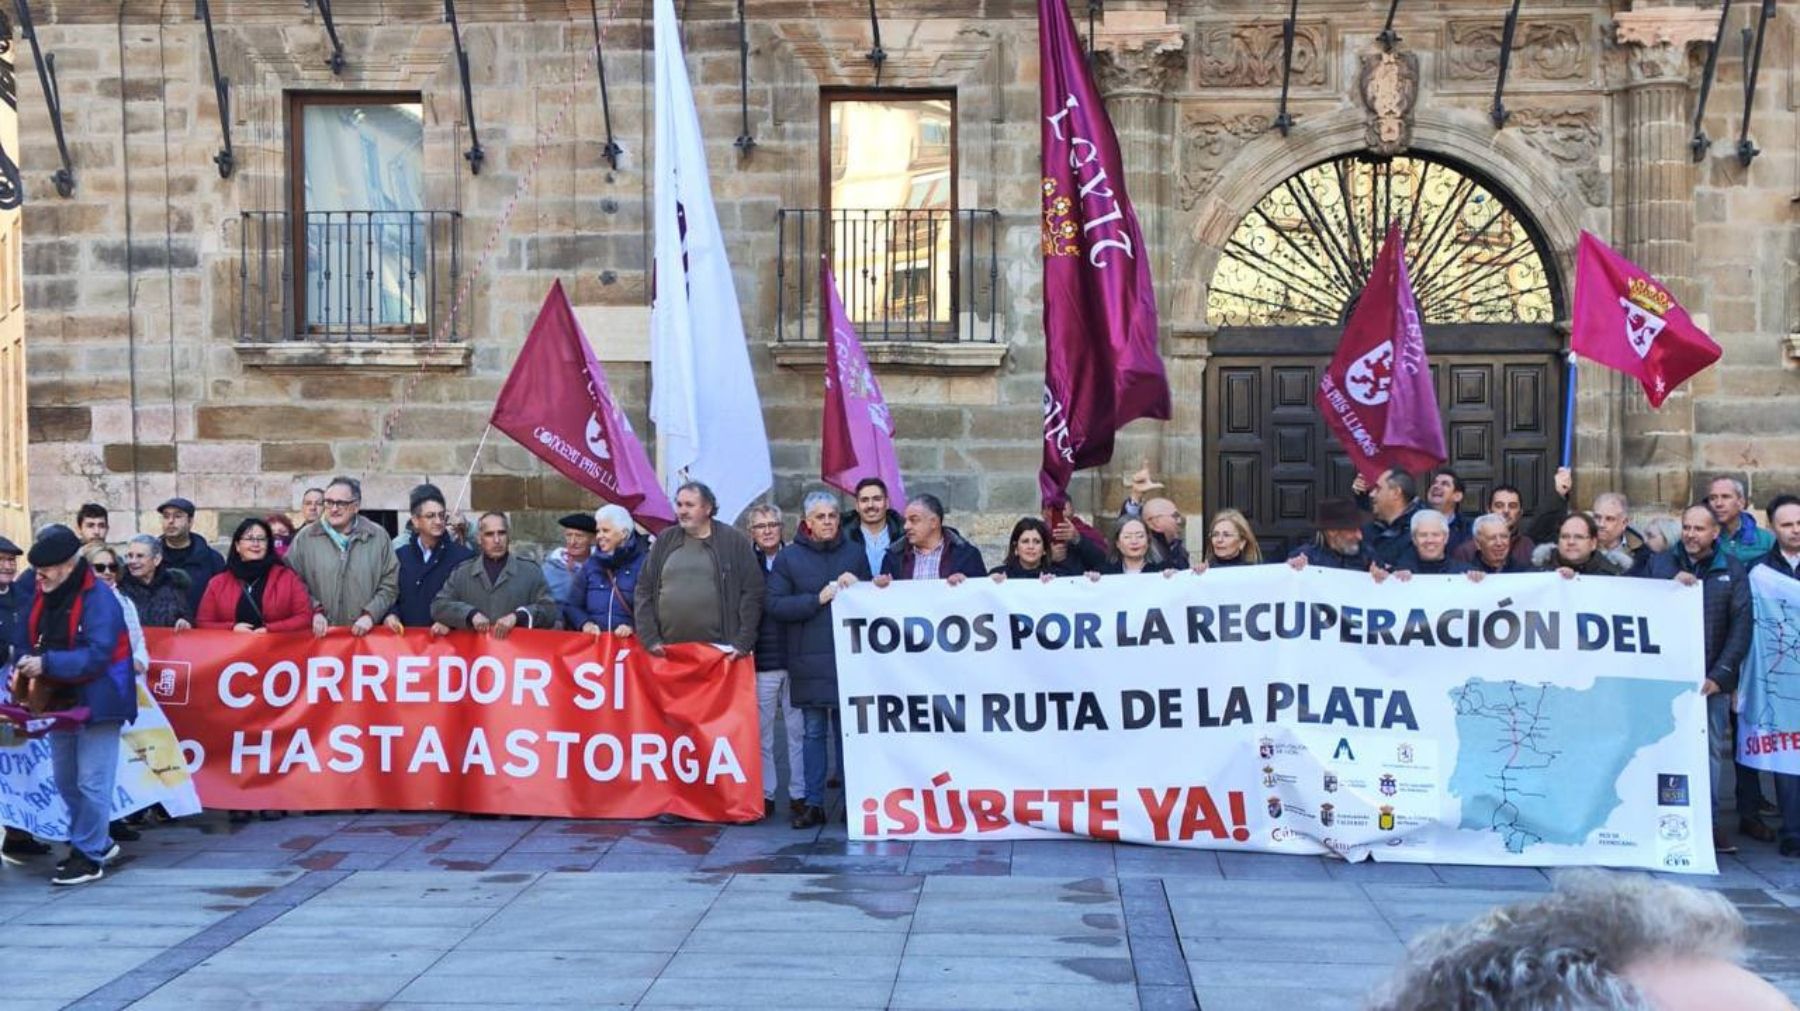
(540, 723)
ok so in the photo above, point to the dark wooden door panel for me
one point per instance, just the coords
(1269, 453)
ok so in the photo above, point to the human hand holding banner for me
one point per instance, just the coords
(540, 723)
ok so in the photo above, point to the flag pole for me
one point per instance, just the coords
(1568, 445)
(460, 495)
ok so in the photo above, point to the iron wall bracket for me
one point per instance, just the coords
(1701, 142)
(226, 159)
(1746, 151)
(612, 150)
(474, 155)
(1497, 112)
(745, 142)
(1283, 121)
(63, 178)
(336, 60)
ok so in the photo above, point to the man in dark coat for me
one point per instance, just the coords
(878, 526)
(1726, 626)
(806, 577)
(931, 550)
(1387, 536)
(772, 696)
(702, 582)
(1339, 542)
(188, 551)
(426, 560)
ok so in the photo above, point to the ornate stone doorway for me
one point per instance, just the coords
(1286, 281)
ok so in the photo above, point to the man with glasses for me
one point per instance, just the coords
(312, 505)
(347, 563)
(425, 560)
(771, 672)
(188, 551)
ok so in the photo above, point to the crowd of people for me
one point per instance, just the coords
(72, 625)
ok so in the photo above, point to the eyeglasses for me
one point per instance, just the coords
(765, 526)
(339, 503)
(106, 566)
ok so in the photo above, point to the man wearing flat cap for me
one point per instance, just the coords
(188, 551)
(578, 531)
(1338, 544)
(75, 651)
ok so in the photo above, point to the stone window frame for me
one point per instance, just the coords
(295, 352)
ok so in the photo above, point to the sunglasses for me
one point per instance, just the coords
(106, 566)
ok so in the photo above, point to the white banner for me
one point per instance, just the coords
(152, 770)
(1769, 686)
(1525, 720)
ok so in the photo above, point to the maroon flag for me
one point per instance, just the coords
(1377, 394)
(1101, 367)
(1626, 321)
(858, 440)
(556, 403)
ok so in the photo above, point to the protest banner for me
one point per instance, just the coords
(1525, 719)
(539, 723)
(151, 771)
(1769, 686)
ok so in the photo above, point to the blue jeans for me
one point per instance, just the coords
(818, 730)
(1787, 794)
(86, 763)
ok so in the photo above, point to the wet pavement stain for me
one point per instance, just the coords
(1087, 900)
(322, 861)
(411, 829)
(302, 842)
(463, 865)
(240, 891)
(1094, 940)
(1101, 970)
(1101, 921)
(508, 878)
(863, 894)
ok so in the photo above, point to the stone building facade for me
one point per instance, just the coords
(153, 369)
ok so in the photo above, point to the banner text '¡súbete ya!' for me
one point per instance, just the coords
(1452, 628)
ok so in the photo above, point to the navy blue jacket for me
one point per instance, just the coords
(1388, 542)
(791, 595)
(200, 562)
(98, 661)
(959, 556)
(1725, 610)
(420, 580)
(1445, 566)
(771, 634)
(1318, 554)
(15, 607)
(604, 589)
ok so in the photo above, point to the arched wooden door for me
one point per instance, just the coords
(1284, 286)
(15, 519)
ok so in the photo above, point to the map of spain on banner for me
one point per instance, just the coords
(1769, 690)
(1525, 719)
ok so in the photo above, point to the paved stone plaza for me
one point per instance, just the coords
(422, 909)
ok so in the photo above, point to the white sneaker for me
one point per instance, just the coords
(112, 853)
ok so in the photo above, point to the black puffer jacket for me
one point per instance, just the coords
(161, 602)
(771, 634)
(1725, 609)
(792, 596)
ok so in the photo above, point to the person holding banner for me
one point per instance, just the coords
(600, 598)
(496, 592)
(702, 582)
(931, 550)
(425, 561)
(1784, 558)
(578, 533)
(347, 563)
(1339, 542)
(74, 643)
(806, 577)
(1576, 551)
(1230, 541)
(257, 592)
(159, 593)
(1131, 552)
(1427, 555)
(1506, 502)
(1492, 544)
(1029, 555)
(1726, 625)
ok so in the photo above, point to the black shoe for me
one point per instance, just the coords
(811, 817)
(79, 870)
(237, 817)
(20, 846)
(768, 806)
(1790, 847)
(271, 815)
(123, 832)
(1757, 829)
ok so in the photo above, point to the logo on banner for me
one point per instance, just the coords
(1370, 376)
(1274, 807)
(1389, 785)
(1404, 754)
(1645, 306)
(1679, 857)
(1331, 782)
(1673, 827)
(1386, 821)
(1671, 790)
(1269, 777)
(1265, 749)
(596, 438)
(168, 681)
(1327, 814)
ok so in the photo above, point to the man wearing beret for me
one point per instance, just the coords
(578, 531)
(74, 651)
(188, 551)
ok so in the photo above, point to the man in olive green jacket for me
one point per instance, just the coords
(702, 581)
(494, 591)
(347, 563)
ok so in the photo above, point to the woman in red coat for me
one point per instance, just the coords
(257, 592)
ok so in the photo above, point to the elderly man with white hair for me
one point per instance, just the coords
(1428, 553)
(1494, 547)
(601, 595)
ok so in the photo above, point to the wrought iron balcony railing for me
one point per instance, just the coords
(904, 275)
(349, 276)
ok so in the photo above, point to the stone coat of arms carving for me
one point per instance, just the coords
(1388, 84)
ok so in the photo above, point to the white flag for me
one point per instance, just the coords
(702, 395)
